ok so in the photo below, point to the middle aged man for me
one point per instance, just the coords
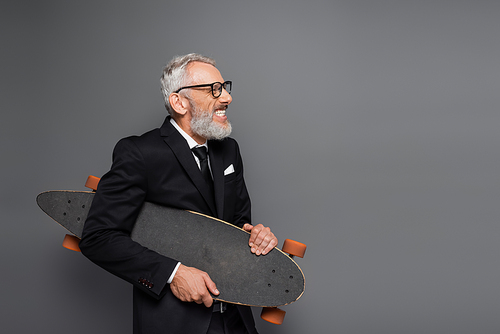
(164, 166)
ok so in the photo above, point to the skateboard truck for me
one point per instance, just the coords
(276, 315)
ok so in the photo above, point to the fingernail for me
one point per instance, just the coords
(216, 291)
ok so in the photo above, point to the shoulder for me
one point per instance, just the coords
(145, 138)
(141, 141)
(137, 146)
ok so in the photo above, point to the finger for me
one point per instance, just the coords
(211, 286)
(273, 243)
(261, 248)
(254, 237)
(247, 227)
(267, 243)
(260, 234)
(205, 297)
(207, 300)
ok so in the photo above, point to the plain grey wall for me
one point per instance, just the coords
(369, 131)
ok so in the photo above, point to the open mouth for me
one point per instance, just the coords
(220, 112)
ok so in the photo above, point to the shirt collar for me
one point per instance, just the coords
(191, 142)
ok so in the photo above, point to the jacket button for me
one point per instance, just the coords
(146, 283)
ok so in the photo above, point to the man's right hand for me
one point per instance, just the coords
(193, 285)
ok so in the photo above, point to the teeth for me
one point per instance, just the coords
(220, 112)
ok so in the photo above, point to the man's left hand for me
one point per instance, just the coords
(262, 240)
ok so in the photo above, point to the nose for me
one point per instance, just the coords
(225, 97)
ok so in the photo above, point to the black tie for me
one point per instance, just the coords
(201, 153)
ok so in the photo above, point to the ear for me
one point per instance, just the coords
(178, 103)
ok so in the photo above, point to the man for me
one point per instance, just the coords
(160, 167)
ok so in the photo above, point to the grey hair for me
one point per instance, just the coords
(175, 75)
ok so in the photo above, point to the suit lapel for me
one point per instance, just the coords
(181, 150)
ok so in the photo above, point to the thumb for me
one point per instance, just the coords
(247, 227)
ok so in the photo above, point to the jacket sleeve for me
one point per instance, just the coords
(106, 235)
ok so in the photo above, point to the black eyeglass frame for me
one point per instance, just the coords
(222, 85)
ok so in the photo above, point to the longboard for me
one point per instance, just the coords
(209, 244)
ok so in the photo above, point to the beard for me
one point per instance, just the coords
(203, 125)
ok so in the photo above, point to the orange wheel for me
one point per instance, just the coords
(92, 182)
(71, 242)
(294, 248)
(273, 315)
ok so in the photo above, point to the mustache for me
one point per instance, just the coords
(219, 107)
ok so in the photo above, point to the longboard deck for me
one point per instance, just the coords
(212, 245)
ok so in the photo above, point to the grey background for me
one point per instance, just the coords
(369, 131)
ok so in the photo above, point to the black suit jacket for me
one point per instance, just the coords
(159, 167)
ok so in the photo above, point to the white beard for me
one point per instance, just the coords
(203, 125)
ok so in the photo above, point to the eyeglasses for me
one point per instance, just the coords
(216, 87)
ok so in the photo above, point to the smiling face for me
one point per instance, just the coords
(205, 116)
